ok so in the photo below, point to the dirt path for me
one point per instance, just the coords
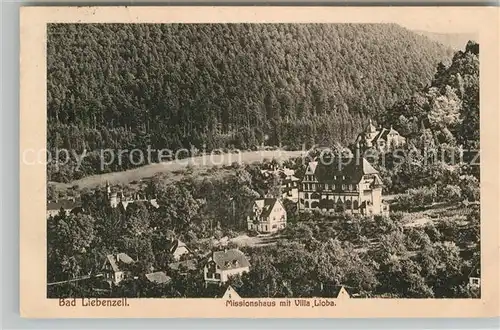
(148, 171)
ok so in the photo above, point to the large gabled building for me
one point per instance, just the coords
(348, 184)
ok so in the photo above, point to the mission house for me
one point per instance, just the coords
(349, 185)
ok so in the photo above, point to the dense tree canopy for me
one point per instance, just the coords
(220, 85)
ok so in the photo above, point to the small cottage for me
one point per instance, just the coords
(223, 264)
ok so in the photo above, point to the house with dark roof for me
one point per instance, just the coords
(67, 205)
(267, 215)
(342, 184)
(382, 139)
(221, 265)
(117, 267)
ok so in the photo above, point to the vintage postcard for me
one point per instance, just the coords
(266, 162)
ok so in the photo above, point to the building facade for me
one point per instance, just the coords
(116, 268)
(116, 199)
(268, 215)
(382, 139)
(221, 265)
(68, 205)
(349, 185)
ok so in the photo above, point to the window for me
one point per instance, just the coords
(475, 281)
(217, 276)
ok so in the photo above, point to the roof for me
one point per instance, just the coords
(382, 135)
(115, 260)
(66, 204)
(230, 259)
(370, 128)
(158, 277)
(343, 170)
(266, 205)
(190, 264)
(224, 289)
(312, 166)
(177, 244)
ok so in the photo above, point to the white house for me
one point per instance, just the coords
(268, 215)
(223, 264)
(117, 267)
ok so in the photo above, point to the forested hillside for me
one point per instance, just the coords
(446, 111)
(219, 85)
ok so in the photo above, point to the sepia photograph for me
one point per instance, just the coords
(311, 162)
(318, 159)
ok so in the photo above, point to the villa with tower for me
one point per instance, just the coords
(382, 139)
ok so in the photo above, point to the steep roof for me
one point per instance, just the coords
(158, 277)
(266, 205)
(370, 128)
(382, 135)
(343, 170)
(177, 244)
(227, 289)
(312, 166)
(230, 259)
(115, 261)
